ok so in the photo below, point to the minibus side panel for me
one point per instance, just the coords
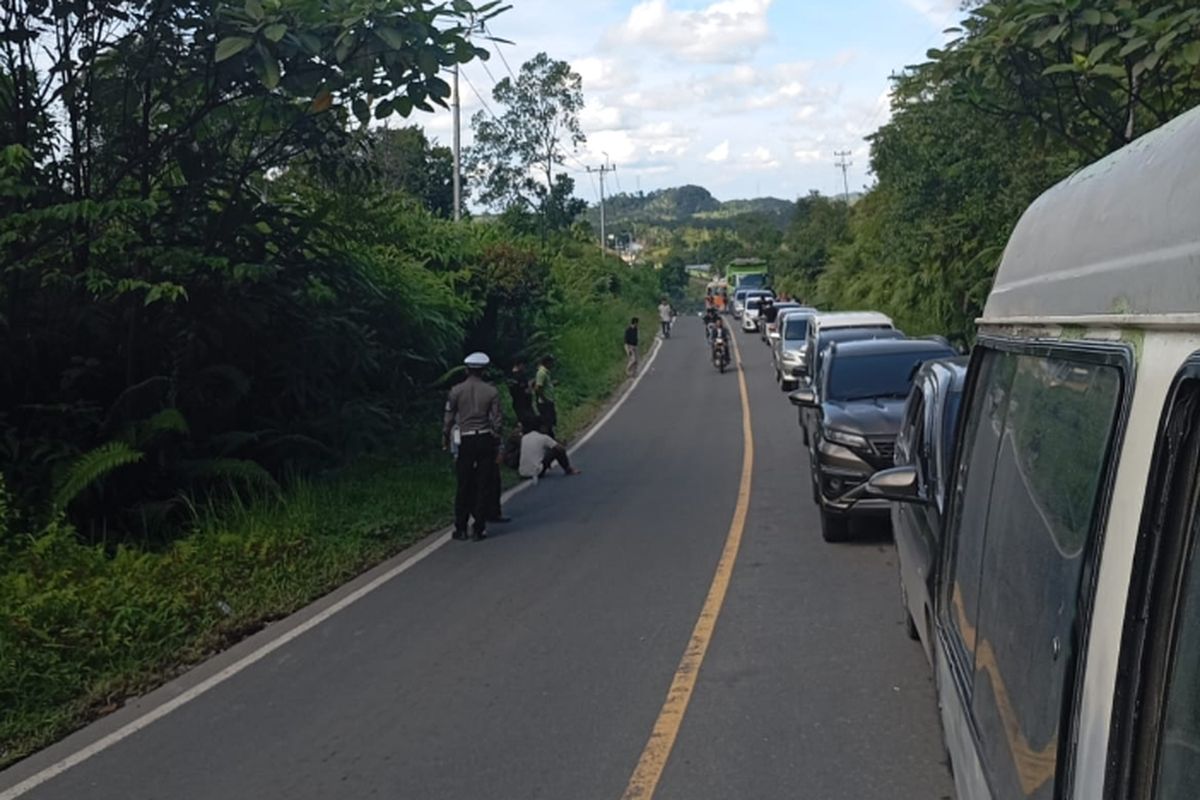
(969, 780)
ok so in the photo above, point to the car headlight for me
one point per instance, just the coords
(846, 439)
(793, 357)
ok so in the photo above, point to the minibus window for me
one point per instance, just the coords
(1050, 466)
(967, 527)
(1179, 766)
(1171, 681)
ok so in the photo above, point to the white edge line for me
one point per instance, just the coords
(609, 415)
(158, 712)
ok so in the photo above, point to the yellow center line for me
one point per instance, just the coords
(666, 728)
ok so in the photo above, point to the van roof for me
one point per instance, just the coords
(850, 319)
(1115, 242)
(870, 347)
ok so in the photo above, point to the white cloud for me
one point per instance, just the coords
(664, 138)
(725, 31)
(760, 158)
(779, 86)
(602, 74)
(941, 14)
(808, 156)
(639, 147)
(719, 153)
(599, 116)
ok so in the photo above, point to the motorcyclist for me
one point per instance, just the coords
(720, 333)
(711, 317)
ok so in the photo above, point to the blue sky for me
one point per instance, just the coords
(745, 97)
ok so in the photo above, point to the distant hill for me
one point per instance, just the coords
(692, 206)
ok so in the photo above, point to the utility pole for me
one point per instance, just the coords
(603, 170)
(457, 149)
(845, 166)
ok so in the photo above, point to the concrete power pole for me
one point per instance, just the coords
(845, 166)
(457, 149)
(603, 170)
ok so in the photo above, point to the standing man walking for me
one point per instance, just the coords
(664, 316)
(631, 348)
(474, 405)
(543, 392)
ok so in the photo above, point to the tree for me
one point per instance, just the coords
(516, 155)
(158, 288)
(405, 160)
(1091, 74)
(818, 225)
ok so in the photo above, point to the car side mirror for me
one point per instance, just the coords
(899, 484)
(804, 397)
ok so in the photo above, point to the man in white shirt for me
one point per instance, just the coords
(665, 313)
(538, 452)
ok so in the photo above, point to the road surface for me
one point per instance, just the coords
(536, 664)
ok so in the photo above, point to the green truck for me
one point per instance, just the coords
(747, 273)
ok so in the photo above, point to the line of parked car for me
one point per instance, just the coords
(1045, 492)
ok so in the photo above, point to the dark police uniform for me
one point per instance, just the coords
(475, 405)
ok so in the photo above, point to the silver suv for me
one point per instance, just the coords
(790, 350)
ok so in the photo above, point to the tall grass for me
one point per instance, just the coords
(83, 628)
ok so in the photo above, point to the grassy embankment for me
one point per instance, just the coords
(106, 626)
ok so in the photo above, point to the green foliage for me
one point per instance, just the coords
(90, 468)
(395, 161)
(1090, 74)
(1032, 90)
(84, 627)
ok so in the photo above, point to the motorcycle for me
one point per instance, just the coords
(720, 354)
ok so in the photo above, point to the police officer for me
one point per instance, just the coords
(474, 405)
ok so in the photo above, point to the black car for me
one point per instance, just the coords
(926, 443)
(858, 405)
(811, 371)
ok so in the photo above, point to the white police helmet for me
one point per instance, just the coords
(477, 360)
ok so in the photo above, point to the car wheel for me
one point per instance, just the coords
(834, 527)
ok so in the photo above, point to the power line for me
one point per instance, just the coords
(475, 91)
(499, 51)
(491, 77)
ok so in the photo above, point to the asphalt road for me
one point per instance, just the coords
(535, 664)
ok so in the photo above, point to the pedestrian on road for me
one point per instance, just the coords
(664, 316)
(543, 392)
(539, 451)
(631, 348)
(474, 406)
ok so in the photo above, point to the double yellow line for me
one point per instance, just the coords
(666, 728)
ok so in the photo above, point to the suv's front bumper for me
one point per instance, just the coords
(791, 372)
(840, 469)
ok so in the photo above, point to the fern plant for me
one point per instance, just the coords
(90, 468)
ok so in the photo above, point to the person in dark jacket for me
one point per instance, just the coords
(522, 397)
(631, 348)
(474, 406)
